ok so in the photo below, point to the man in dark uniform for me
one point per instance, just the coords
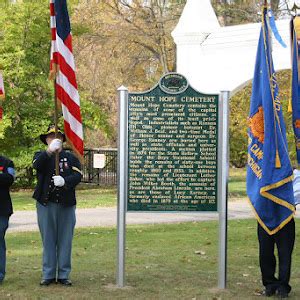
(56, 202)
(284, 240)
(7, 175)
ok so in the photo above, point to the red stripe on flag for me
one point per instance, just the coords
(68, 42)
(53, 61)
(73, 108)
(53, 34)
(55, 57)
(73, 138)
(52, 11)
(66, 70)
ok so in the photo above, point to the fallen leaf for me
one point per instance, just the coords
(258, 292)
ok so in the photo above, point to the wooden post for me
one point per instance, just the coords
(56, 127)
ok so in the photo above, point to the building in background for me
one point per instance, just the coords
(216, 58)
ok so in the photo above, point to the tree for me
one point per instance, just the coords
(115, 43)
(29, 105)
(122, 43)
(234, 12)
(24, 49)
(239, 110)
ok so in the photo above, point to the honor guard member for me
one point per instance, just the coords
(7, 176)
(284, 239)
(55, 205)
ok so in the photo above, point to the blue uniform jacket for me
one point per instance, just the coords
(6, 180)
(69, 169)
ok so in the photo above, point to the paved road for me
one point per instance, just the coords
(97, 217)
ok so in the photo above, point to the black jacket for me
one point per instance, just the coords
(6, 180)
(69, 169)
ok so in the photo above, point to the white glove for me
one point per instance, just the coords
(58, 181)
(55, 145)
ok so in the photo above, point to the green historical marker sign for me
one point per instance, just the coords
(172, 148)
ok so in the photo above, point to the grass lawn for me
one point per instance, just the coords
(174, 261)
(86, 198)
(105, 197)
(237, 183)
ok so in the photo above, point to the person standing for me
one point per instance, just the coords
(269, 170)
(284, 240)
(7, 176)
(56, 203)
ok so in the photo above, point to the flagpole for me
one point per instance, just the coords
(2, 93)
(269, 38)
(122, 184)
(56, 127)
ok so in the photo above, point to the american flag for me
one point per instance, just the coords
(1, 94)
(62, 66)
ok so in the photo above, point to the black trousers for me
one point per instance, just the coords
(284, 240)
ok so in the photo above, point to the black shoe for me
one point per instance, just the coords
(267, 292)
(46, 282)
(66, 282)
(282, 294)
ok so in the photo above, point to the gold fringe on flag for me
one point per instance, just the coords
(277, 160)
(290, 107)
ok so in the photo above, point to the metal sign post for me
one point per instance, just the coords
(172, 122)
(223, 167)
(122, 183)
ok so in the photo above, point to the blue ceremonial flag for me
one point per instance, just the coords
(295, 28)
(269, 171)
